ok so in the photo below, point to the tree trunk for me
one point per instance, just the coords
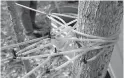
(18, 31)
(98, 18)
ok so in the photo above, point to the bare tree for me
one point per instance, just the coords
(19, 32)
(102, 19)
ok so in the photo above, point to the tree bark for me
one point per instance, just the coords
(98, 18)
(18, 31)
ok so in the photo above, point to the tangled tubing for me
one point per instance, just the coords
(64, 26)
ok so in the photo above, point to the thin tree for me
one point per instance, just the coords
(18, 31)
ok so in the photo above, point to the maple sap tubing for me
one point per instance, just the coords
(65, 10)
